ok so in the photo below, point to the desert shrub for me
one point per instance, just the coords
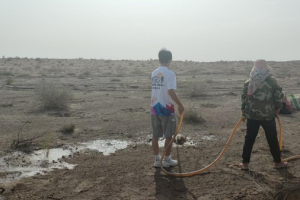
(81, 76)
(86, 73)
(209, 81)
(138, 71)
(68, 129)
(115, 80)
(130, 63)
(52, 96)
(5, 73)
(120, 71)
(198, 90)
(9, 81)
(37, 67)
(191, 115)
(298, 81)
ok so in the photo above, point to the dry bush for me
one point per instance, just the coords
(198, 90)
(81, 76)
(120, 71)
(86, 73)
(298, 82)
(191, 115)
(130, 63)
(9, 81)
(5, 73)
(53, 97)
(209, 81)
(115, 80)
(68, 129)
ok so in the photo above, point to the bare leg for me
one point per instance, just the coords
(155, 146)
(168, 151)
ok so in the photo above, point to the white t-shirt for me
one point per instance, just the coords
(163, 79)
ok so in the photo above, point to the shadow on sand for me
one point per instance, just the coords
(169, 187)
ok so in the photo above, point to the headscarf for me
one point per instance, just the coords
(259, 73)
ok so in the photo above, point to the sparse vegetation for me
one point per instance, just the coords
(81, 76)
(191, 115)
(115, 80)
(6, 105)
(5, 73)
(68, 129)
(130, 63)
(198, 90)
(120, 71)
(46, 145)
(210, 81)
(86, 73)
(53, 97)
(9, 81)
(298, 82)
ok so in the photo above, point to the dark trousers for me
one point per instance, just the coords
(271, 135)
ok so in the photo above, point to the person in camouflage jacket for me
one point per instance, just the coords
(262, 98)
(262, 105)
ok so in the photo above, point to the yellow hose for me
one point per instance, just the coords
(221, 154)
(280, 143)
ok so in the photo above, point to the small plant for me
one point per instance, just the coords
(209, 81)
(46, 145)
(68, 129)
(9, 81)
(130, 63)
(120, 71)
(298, 82)
(5, 73)
(86, 73)
(115, 80)
(191, 115)
(37, 67)
(53, 97)
(81, 76)
(198, 90)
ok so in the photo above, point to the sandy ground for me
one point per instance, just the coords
(111, 101)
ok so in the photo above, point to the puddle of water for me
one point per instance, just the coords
(189, 142)
(54, 154)
(210, 137)
(107, 147)
(19, 165)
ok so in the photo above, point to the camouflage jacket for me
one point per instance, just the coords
(262, 104)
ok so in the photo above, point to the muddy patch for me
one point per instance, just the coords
(19, 165)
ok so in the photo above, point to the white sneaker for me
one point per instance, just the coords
(169, 162)
(157, 162)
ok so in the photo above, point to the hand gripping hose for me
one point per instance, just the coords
(220, 155)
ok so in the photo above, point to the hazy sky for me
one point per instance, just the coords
(199, 30)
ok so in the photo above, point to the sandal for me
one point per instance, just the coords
(280, 165)
(244, 166)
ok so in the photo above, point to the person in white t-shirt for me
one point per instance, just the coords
(162, 108)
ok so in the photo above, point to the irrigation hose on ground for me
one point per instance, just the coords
(220, 155)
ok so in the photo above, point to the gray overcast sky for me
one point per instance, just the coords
(199, 30)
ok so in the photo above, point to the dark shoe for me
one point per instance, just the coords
(244, 166)
(280, 165)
